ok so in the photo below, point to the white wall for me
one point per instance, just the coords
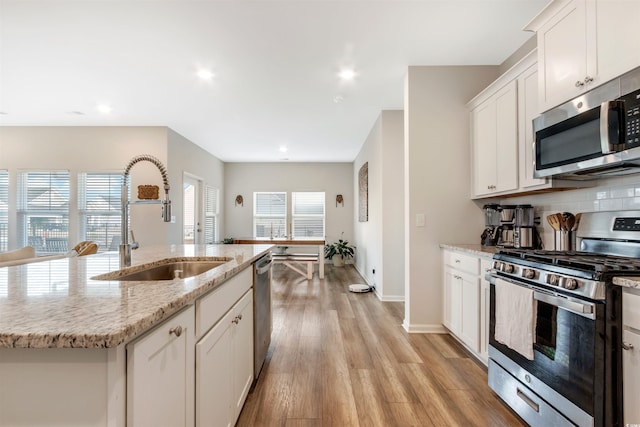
(186, 157)
(381, 238)
(437, 181)
(81, 149)
(332, 178)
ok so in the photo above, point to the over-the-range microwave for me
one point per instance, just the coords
(594, 135)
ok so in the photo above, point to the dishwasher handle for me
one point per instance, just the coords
(263, 266)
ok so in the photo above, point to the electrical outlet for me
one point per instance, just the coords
(374, 271)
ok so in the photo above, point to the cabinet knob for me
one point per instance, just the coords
(579, 83)
(627, 346)
(176, 330)
(236, 319)
(588, 80)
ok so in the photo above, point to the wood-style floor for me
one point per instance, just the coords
(343, 359)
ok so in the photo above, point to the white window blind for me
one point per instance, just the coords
(4, 210)
(307, 215)
(43, 210)
(99, 204)
(269, 214)
(210, 214)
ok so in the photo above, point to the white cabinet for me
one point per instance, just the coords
(160, 374)
(224, 366)
(485, 299)
(582, 44)
(631, 355)
(495, 134)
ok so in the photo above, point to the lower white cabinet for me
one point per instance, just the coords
(631, 355)
(466, 300)
(224, 366)
(160, 374)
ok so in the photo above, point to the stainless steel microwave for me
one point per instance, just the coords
(594, 135)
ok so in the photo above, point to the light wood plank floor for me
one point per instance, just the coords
(343, 359)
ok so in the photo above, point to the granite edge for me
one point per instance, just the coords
(479, 250)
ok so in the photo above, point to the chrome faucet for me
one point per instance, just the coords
(125, 245)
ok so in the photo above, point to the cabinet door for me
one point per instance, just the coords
(470, 311)
(242, 351)
(484, 310)
(214, 375)
(507, 137)
(160, 374)
(484, 148)
(527, 111)
(452, 297)
(631, 378)
(617, 41)
(563, 55)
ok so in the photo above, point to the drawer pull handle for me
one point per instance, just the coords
(177, 331)
(627, 346)
(528, 401)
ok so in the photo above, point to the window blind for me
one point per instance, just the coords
(99, 204)
(4, 210)
(269, 214)
(308, 213)
(210, 214)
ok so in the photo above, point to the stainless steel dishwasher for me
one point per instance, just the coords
(262, 325)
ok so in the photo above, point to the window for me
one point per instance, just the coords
(4, 210)
(210, 214)
(99, 205)
(307, 214)
(43, 211)
(269, 215)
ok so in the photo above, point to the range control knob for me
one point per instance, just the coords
(528, 273)
(553, 279)
(570, 284)
(496, 265)
(507, 268)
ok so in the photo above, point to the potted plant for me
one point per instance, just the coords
(339, 252)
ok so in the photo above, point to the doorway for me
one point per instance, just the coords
(191, 202)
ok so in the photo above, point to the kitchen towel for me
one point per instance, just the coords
(515, 317)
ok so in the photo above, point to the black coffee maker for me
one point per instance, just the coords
(491, 233)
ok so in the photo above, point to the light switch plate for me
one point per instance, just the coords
(420, 220)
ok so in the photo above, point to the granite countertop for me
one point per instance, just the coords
(483, 251)
(627, 282)
(56, 303)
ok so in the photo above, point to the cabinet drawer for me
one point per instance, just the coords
(462, 262)
(631, 308)
(211, 307)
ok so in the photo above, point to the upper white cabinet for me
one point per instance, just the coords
(495, 135)
(582, 44)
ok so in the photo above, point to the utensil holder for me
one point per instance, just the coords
(564, 240)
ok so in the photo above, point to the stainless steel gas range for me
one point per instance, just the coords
(573, 376)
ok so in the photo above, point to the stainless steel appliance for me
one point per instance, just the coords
(596, 134)
(525, 235)
(505, 231)
(490, 236)
(575, 375)
(262, 318)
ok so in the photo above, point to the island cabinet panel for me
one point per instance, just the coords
(160, 374)
(224, 366)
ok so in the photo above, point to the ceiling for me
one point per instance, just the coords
(275, 65)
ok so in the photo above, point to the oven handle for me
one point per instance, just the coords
(583, 309)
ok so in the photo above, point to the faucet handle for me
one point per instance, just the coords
(134, 244)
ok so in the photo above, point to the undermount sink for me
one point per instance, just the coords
(169, 269)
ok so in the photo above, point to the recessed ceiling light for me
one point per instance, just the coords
(347, 74)
(283, 149)
(205, 74)
(104, 108)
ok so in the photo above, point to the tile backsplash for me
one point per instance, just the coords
(607, 195)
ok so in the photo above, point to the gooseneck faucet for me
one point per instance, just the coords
(125, 245)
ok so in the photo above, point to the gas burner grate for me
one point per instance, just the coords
(583, 261)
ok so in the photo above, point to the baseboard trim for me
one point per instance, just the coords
(388, 298)
(424, 329)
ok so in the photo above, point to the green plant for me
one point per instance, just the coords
(341, 247)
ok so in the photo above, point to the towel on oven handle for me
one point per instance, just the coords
(515, 313)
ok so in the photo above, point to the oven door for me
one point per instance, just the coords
(568, 349)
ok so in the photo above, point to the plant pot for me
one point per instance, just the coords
(338, 261)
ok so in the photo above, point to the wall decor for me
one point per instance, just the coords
(339, 200)
(239, 200)
(363, 193)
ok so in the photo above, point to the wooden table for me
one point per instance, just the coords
(292, 257)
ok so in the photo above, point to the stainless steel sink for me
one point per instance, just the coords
(168, 270)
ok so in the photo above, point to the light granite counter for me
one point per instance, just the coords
(627, 282)
(483, 251)
(57, 304)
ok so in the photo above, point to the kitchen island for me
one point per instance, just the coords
(64, 336)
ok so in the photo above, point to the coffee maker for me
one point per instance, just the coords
(490, 236)
(507, 226)
(525, 235)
